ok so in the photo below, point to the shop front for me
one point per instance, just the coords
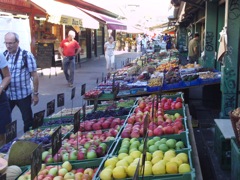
(59, 21)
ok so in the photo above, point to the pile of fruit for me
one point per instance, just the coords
(155, 82)
(207, 75)
(92, 93)
(172, 76)
(166, 66)
(157, 163)
(64, 171)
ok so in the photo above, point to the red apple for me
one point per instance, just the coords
(178, 105)
(158, 131)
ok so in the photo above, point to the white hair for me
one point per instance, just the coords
(72, 33)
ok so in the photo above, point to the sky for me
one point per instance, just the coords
(145, 12)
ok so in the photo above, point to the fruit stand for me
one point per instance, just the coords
(147, 133)
(110, 145)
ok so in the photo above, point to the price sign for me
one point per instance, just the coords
(56, 141)
(73, 93)
(145, 125)
(153, 115)
(11, 131)
(60, 100)
(83, 90)
(38, 119)
(113, 83)
(76, 121)
(102, 77)
(50, 107)
(36, 161)
(136, 174)
(84, 111)
(3, 177)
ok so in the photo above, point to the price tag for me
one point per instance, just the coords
(36, 161)
(3, 177)
(76, 121)
(56, 141)
(84, 111)
(145, 125)
(50, 107)
(153, 116)
(83, 90)
(38, 119)
(102, 77)
(11, 131)
(136, 174)
(73, 93)
(60, 100)
(113, 83)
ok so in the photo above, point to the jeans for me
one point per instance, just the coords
(69, 65)
(144, 50)
(110, 62)
(24, 106)
(5, 112)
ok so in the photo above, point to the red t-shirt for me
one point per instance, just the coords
(69, 47)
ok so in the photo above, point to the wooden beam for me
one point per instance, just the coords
(193, 4)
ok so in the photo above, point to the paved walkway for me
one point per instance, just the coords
(87, 72)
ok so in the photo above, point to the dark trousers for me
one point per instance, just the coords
(24, 106)
(5, 112)
(193, 59)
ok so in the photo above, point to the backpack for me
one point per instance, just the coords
(24, 58)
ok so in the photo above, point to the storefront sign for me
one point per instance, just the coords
(23, 3)
(70, 21)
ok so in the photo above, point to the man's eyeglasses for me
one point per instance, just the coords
(9, 43)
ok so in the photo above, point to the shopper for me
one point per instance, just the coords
(139, 38)
(144, 45)
(69, 49)
(193, 47)
(109, 47)
(23, 69)
(5, 111)
(169, 42)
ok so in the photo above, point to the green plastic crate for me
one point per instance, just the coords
(180, 137)
(222, 148)
(187, 176)
(235, 160)
(79, 164)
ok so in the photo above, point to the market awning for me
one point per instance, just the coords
(169, 31)
(60, 13)
(111, 23)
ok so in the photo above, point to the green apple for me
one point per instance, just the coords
(179, 145)
(65, 157)
(44, 155)
(171, 143)
(62, 172)
(73, 155)
(67, 165)
(53, 171)
(69, 175)
(153, 148)
(156, 138)
(133, 139)
(150, 142)
(163, 140)
(163, 147)
(91, 155)
(177, 115)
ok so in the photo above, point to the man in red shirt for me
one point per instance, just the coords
(68, 49)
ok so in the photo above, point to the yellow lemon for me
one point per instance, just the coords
(156, 159)
(111, 162)
(171, 168)
(184, 168)
(106, 174)
(177, 160)
(131, 169)
(183, 156)
(158, 169)
(122, 155)
(170, 153)
(135, 154)
(119, 172)
(129, 159)
(122, 163)
(157, 153)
